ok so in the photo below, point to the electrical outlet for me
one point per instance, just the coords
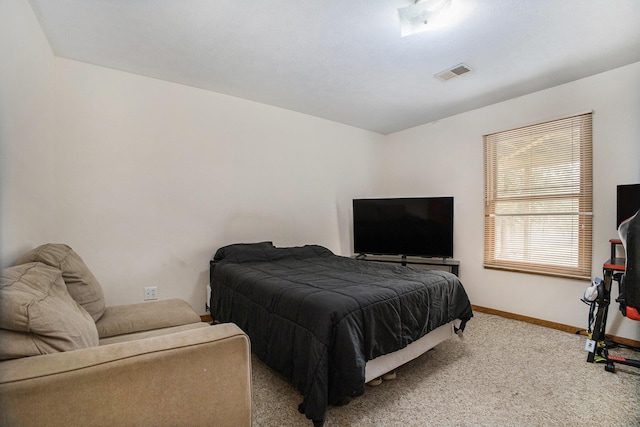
(150, 293)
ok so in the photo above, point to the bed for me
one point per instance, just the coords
(329, 323)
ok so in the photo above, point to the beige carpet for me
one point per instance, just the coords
(503, 373)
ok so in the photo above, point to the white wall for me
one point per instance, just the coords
(445, 158)
(26, 132)
(155, 176)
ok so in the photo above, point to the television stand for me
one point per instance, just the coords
(430, 261)
(450, 264)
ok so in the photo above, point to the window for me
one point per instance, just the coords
(538, 198)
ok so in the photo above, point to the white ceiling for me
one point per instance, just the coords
(344, 60)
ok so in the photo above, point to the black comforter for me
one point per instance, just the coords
(317, 318)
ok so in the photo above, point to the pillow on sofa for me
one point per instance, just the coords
(81, 283)
(37, 314)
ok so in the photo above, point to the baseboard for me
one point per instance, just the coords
(546, 323)
(552, 325)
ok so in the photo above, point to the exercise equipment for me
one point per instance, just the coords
(626, 272)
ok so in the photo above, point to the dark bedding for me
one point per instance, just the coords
(317, 318)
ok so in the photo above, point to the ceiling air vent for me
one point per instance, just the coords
(456, 71)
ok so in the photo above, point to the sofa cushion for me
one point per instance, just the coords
(37, 314)
(145, 316)
(81, 283)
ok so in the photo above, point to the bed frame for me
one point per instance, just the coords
(388, 362)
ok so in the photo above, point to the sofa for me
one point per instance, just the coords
(67, 359)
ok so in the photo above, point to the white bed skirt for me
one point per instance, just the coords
(388, 362)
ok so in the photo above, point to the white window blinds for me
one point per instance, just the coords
(538, 198)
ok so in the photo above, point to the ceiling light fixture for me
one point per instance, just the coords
(414, 18)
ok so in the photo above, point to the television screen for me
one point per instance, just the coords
(408, 226)
(628, 202)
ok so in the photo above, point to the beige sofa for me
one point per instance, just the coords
(68, 360)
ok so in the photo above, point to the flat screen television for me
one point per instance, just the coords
(421, 226)
(627, 202)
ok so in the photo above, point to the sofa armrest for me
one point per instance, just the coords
(145, 316)
(200, 377)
